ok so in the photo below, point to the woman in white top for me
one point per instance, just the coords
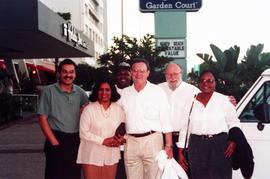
(211, 118)
(99, 150)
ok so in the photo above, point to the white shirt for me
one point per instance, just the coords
(180, 101)
(219, 115)
(96, 124)
(146, 110)
(119, 90)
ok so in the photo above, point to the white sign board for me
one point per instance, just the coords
(174, 48)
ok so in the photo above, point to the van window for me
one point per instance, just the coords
(262, 96)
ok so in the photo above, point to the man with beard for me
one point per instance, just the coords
(59, 114)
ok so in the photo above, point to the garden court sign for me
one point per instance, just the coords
(165, 5)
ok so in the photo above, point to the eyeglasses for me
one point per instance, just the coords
(138, 71)
(172, 74)
(209, 81)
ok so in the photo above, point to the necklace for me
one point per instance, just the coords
(105, 113)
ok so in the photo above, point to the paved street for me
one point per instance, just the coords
(21, 150)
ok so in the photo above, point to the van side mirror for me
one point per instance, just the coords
(261, 112)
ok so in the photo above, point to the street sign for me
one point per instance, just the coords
(170, 5)
(174, 48)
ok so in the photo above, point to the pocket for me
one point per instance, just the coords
(48, 147)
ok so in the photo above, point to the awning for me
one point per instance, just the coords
(29, 29)
(40, 67)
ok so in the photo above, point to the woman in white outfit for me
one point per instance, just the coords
(99, 151)
(211, 118)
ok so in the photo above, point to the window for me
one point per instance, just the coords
(86, 30)
(262, 96)
(90, 33)
(85, 9)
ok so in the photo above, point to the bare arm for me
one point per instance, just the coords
(168, 144)
(182, 160)
(47, 131)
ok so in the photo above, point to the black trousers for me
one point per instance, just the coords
(206, 157)
(121, 172)
(61, 159)
(175, 136)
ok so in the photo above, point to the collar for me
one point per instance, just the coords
(57, 85)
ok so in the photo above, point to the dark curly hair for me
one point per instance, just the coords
(207, 71)
(115, 95)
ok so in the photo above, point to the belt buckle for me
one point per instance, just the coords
(206, 137)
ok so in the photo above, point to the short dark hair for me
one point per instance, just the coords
(140, 60)
(122, 66)
(115, 95)
(66, 61)
(207, 71)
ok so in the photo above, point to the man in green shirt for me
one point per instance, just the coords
(59, 114)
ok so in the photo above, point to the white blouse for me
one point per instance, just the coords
(96, 124)
(219, 115)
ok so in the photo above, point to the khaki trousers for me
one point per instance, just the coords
(139, 156)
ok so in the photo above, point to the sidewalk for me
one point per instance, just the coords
(21, 150)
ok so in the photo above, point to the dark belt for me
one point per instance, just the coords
(60, 133)
(209, 136)
(142, 134)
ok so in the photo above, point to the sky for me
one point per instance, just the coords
(224, 23)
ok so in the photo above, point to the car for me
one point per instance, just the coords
(254, 113)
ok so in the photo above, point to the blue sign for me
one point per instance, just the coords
(170, 5)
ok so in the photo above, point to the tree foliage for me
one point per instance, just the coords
(234, 78)
(125, 49)
(85, 76)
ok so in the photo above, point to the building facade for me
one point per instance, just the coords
(89, 17)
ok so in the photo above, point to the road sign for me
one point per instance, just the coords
(174, 48)
(170, 5)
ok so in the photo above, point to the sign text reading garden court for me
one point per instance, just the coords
(159, 5)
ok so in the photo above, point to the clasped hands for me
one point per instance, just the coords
(114, 141)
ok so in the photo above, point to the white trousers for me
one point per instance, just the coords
(139, 156)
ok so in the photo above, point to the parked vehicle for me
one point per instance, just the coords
(254, 112)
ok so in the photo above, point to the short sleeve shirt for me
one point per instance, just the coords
(61, 108)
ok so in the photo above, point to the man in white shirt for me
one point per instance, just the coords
(147, 117)
(180, 95)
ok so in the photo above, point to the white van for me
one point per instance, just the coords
(254, 112)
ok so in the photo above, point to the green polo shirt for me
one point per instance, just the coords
(61, 108)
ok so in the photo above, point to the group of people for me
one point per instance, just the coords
(156, 117)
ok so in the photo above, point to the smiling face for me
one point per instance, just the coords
(67, 74)
(207, 83)
(139, 73)
(123, 78)
(173, 75)
(104, 93)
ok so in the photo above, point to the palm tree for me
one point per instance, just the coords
(225, 67)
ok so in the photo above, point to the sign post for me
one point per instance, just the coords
(169, 5)
(170, 26)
